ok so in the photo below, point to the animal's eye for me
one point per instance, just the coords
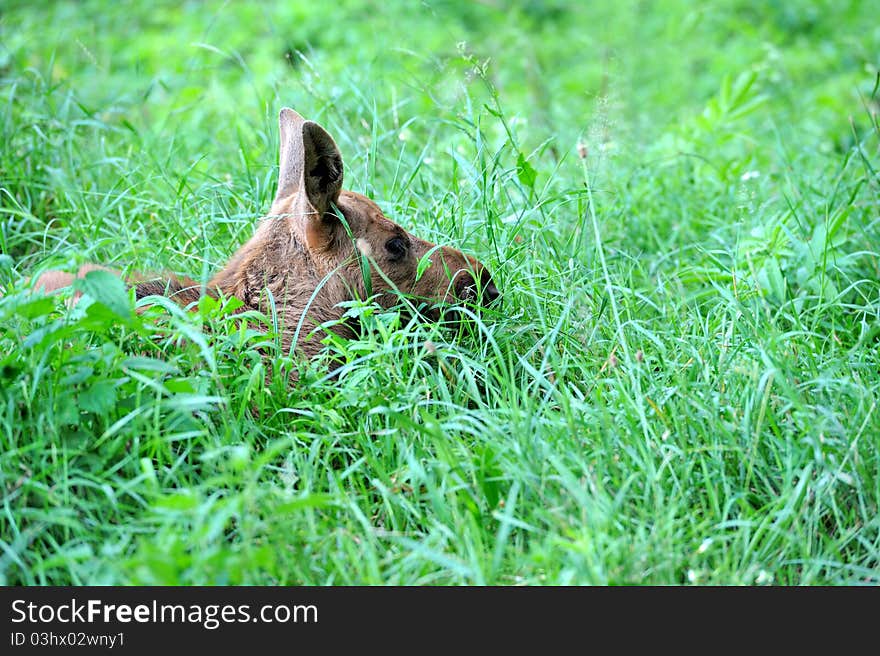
(396, 247)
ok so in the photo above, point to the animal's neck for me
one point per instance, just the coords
(270, 256)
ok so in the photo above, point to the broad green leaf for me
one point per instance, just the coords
(525, 172)
(99, 398)
(772, 280)
(107, 289)
(38, 307)
(185, 500)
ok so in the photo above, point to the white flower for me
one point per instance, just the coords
(764, 577)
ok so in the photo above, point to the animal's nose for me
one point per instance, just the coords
(490, 294)
(484, 292)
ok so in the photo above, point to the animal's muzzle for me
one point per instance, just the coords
(484, 293)
(490, 294)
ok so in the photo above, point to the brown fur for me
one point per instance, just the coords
(305, 257)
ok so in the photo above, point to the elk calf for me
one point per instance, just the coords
(307, 251)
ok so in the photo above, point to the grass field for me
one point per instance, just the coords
(680, 203)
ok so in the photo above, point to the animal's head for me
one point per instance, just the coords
(341, 229)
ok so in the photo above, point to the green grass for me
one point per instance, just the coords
(680, 205)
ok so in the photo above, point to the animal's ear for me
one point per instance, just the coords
(291, 155)
(323, 167)
(309, 161)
